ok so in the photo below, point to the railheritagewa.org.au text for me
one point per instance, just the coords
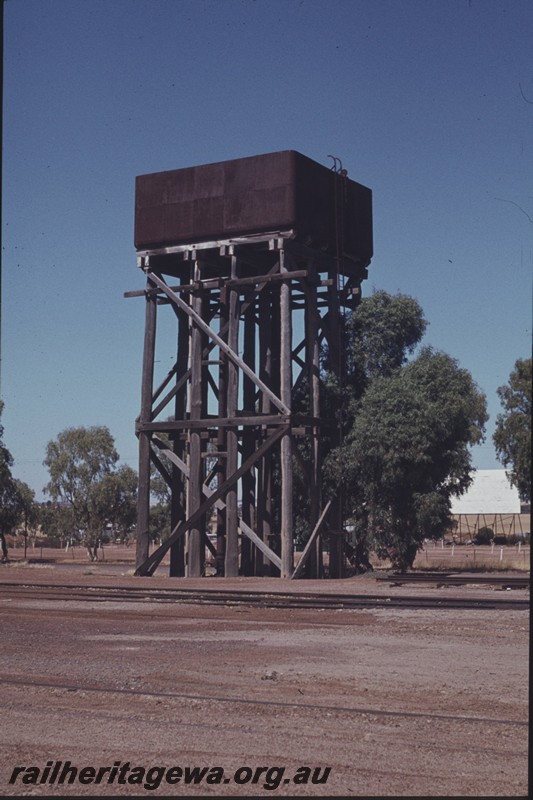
(62, 773)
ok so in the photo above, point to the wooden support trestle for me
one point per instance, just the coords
(234, 427)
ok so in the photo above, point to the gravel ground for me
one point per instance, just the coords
(395, 702)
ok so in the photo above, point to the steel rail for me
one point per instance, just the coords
(260, 599)
(456, 579)
(149, 693)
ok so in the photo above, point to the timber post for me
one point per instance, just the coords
(143, 494)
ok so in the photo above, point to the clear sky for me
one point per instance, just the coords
(427, 102)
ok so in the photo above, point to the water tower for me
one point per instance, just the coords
(256, 260)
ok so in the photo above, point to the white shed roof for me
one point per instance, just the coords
(490, 493)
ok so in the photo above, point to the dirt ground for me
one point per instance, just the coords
(395, 702)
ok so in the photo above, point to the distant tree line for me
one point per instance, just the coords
(90, 494)
(16, 498)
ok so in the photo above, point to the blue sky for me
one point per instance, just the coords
(427, 102)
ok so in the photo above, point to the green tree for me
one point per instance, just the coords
(82, 466)
(116, 499)
(11, 504)
(57, 521)
(512, 438)
(378, 338)
(161, 492)
(159, 522)
(408, 453)
(29, 508)
(380, 335)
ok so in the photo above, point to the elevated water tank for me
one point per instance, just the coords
(274, 192)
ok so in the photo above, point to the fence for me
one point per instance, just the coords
(457, 556)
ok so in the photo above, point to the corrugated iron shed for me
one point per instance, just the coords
(490, 493)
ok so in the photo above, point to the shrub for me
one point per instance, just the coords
(484, 536)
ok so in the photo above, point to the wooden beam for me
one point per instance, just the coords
(264, 495)
(287, 546)
(221, 440)
(334, 339)
(260, 544)
(143, 493)
(162, 386)
(188, 287)
(158, 464)
(313, 375)
(310, 542)
(205, 328)
(248, 443)
(171, 455)
(270, 238)
(287, 276)
(149, 566)
(180, 368)
(179, 489)
(231, 558)
(194, 560)
(219, 504)
(214, 422)
(185, 375)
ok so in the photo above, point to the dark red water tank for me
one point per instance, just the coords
(271, 192)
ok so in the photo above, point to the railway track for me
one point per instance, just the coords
(146, 692)
(456, 579)
(256, 599)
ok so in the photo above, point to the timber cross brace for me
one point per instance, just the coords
(220, 428)
(234, 429)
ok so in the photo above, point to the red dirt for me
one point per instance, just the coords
(396, 702)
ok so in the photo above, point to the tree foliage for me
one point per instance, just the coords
(116, 497)
(380, 335)
(11, 500)
(407, 453)
(160, 522)
(28, 507)
(57, 521)
(512, 437)
(378, 338)
(82, 463)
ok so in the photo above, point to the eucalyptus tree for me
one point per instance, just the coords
(11, 503)
(378, 338)
(408, 453)
(82, 463)
(512, 437)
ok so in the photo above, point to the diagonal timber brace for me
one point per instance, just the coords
(149, 566)
(232, 355)
(208, 492)
(272, 273)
